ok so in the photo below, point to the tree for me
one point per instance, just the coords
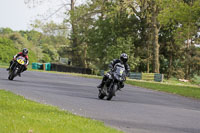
(183, 14)
(5, 31)
(147, 11)
(111, 33)
(158, 35)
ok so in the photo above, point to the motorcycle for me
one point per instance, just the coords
(114, 82)
(16, 67)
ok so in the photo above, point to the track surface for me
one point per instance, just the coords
(133, 110)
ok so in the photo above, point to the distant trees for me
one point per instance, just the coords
(158, 35)
(42, 48)
(7, 50)
(181, 23)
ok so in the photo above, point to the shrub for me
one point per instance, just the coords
(7, 50)
(196, 79)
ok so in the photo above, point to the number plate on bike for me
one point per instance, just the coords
(20, 61)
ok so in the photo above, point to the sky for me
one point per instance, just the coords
(15, 14)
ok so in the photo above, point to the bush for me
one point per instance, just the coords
(7, 50)
(179, 74)
(196, 79)
(45, 58)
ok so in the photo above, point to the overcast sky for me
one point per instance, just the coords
(16, 15)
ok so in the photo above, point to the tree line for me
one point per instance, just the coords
(160, 36)
(42, 47)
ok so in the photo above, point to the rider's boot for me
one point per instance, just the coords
(19, 74)
(102, 82)
(121, 86)
(11, 62)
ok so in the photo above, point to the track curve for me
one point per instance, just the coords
(133, 110)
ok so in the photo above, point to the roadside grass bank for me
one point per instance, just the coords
(4, 65)
(19, 115)
(191, 91)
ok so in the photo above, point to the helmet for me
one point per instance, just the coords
(124, 57)
(25, 51)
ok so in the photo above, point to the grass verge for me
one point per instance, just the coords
(19, 115)
(4, 65)
(183, 90)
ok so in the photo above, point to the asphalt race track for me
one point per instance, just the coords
(133, 110)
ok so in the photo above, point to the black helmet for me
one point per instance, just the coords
(124, 57)
(25, 51)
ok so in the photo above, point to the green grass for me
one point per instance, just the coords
(177, 82)
(18, 115)
(4, 65)
(179, 89)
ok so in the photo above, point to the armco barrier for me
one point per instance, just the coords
(147, 76)
(158, 77)
(34, 65)
(38, 66)
(136, 76)
(47, 66)
(65, 68)
(60, 68)
(101, 72)
(41, 66)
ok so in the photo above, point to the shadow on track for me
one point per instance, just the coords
(12, 80)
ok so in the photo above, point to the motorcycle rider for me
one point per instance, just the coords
(24, 54)
(123, 59)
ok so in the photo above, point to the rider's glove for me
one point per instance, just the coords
(110, 66)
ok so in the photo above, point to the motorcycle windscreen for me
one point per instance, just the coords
(119, 73)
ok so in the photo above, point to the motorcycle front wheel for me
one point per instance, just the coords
(112, 91)
(101, 95)
(12, 74)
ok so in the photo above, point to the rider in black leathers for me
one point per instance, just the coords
(123, 59)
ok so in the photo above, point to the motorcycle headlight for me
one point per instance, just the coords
(121, 79)
(110, 77)
(115, 75)
(118, 78)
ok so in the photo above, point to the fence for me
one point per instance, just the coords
(147, 76)
(137, 76)
(60, 68)
(143, 76)
(65, 68)
(41, 66)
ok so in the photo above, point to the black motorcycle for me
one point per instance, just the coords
(114, 82)
(16, 67)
